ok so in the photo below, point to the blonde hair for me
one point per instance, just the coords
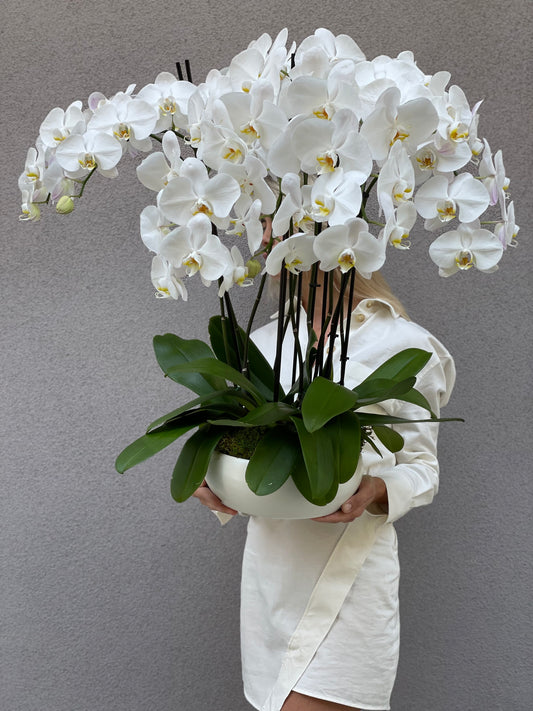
(377, 287)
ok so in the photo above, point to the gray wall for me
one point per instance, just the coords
(114, 598)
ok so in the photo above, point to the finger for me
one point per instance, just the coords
(211, 500)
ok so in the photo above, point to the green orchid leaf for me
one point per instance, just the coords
(301, 478)
(367, 439)
(214, 367)
(345, 431)
(264, 415)
(218, 328)
(171, 351)
(148, 445)
(273, 461)
(261, 372)
(391, 439)
(190, 469)
(415, 397)
(324, 400)
(368, 418)
(229, 398)
(403, 365)
(319, 457)
(385, 390)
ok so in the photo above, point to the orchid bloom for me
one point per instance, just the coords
(439, 200)
(291, 206)
(79, 155)
(492, 174)
(396, 181)
(158, 168)
(398, 226)
(194, 248)
(169, 97)
(507, 229)
(154, 227)
(350, 246)
(165, 280)
(468, 246)
(236, 273)
(128, 119)
(334, 197)
(60, 124)
(193, 192)
(297, 251)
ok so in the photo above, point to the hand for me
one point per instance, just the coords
(207, 498)
(372, 490)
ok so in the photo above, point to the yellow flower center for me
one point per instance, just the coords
(233, 154)
(346, 260)
(322, 113)
(400, 135)
(167, 106)
(326, 163)
(203, 208)
(322, 209)
(250, 131)
(464, 260)
(446, 210)
(122, 132)
(88, 161)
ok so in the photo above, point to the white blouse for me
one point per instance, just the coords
(319, 601)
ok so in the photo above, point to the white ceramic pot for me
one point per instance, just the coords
(226, 478)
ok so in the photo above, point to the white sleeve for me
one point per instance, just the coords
(414, 480)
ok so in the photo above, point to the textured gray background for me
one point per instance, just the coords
(113, 598)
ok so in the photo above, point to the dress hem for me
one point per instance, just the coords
(361, 706)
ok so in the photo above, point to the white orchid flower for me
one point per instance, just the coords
(194, 248)
(297, 251)
(193, 192)
(291, 207)
(154, 227)
(236, 273)
(169, 97)
(251, 176)
(322, 146)
(350, 246)
(399, 225)
(263, 59)
(30, 180)
(158, 168)
(130, 120)
(167, 283)
(320, 98)
(60, 124)
(29, 211)
(396, 181)
(80, 155)
(412, 122)
(439, 200)
(507, 230)
(492, 174)
(220, 145)
(322, 50)
(334, 197)
(468, 246)
(248, 221)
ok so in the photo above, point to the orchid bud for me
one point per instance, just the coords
(65, 205)
(254, 267)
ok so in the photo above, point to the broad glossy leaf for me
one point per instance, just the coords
(171, 350)
(324, 400)
(368, 418)
(391, 439)
(300, 477)
(189, 471)
(319, 458)
(416, 398)
(148, 445)
(385, 390)
(345, 431)
(214, 367)
(273, 461)
(402, 365)
(229, 398)
(261, 372)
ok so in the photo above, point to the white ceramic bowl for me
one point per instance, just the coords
(225, 477)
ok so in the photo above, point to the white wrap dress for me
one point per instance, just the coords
(319, 601)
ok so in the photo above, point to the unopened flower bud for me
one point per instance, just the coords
(65, 205)
(254, 267)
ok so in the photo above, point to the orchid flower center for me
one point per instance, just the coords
(459, 132)
(464, 259)
(400, 135)
(250, 132)
(346, 260)
(426, 159)
(234, 155)
(321, 208)
(399, 239)
(88, 161)
(446, 210)
(203, 207)
(402, 191)
(192, 263)
(327, 162)
(167, 106)
(323, 113)
(122, 132)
